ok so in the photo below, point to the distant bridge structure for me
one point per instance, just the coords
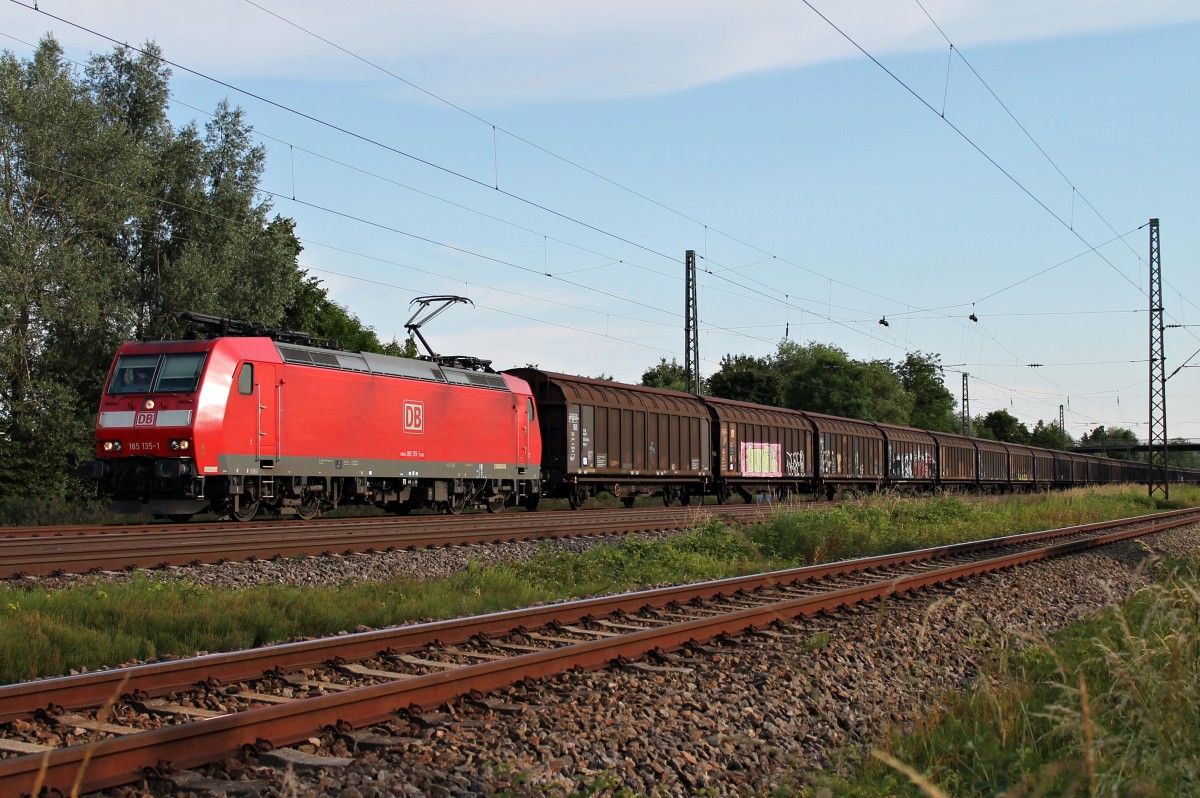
(1184, 445)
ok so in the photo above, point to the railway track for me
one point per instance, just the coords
(114, 727)
(82, 549)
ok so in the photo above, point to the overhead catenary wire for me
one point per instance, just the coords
(786, 299)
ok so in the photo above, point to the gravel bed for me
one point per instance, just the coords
(743, 717)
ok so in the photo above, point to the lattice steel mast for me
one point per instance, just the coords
(691, 329)
(966, 407)
(1157, 477)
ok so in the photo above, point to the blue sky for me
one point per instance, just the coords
(820, 193)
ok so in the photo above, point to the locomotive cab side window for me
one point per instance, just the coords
(177, 373)
(529, 408)
(133, 374)
(246, 379)
(180, 373)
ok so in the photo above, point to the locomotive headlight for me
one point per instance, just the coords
(180, 445)
(149, 404)
(111, 446)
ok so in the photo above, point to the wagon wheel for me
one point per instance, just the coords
(495, 504)
(577, 498)
(401, 508)
(724, 494)
(244, 511)
(686, 497)
(628, 500)
(530, 503)
(670, 495)
(309, 507)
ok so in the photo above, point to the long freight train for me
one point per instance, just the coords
(235, 424)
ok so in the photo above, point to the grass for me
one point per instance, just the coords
(1106, 708)
(51, 632)
(892, 523)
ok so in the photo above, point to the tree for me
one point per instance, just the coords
(746, 379)
(670, 376)
(1177, 458)
(1003, 426)
(312, 311)
(112, 222)
(1115, 441)
(933, 405)
(1050, 436)
(62, 160)
(824, 379)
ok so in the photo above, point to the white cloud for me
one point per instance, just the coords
(488, 53)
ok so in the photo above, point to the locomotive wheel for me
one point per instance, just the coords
(308, 508)
(456, 505)
(245, 511)
(495, 504)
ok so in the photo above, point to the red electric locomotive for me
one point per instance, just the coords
(233, 424)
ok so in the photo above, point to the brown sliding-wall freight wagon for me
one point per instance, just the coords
(630, 441)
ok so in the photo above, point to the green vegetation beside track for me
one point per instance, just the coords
(103, 624)
(1107, 707)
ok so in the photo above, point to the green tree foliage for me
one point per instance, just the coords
(1050, 436)
(822, 378)
(1116, 439)
(933, 405)
(312, 311)
(747, 379)
(112, 222)
(1181, 459)
(670, 376)
(1002, 425)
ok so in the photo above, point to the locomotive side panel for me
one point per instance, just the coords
(295, 427)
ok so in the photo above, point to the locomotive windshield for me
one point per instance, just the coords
(177, 373)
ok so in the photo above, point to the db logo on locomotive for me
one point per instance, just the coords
(145, 418)
(414, 416)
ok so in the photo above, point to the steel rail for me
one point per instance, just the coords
(355, 522)
(155, 679)
(118, 760)
(158, 548)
